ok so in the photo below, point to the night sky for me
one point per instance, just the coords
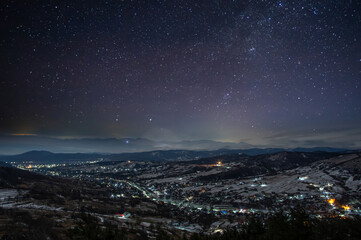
(272, 73)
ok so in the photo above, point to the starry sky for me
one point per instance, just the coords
(270, 73)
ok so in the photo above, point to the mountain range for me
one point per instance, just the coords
(46, 157)
(16, 144)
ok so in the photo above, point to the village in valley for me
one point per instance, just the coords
(202, 195)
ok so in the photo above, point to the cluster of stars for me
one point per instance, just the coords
(213, 70)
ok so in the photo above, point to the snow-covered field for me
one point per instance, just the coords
(6, 193)
(27, 205)
(320, 180)
(7, 200)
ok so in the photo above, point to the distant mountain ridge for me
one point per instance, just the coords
(11, 145)
(168, 155)
(161, 155)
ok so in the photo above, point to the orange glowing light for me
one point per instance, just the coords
(23, 134)
(346, 207)
(331, 201)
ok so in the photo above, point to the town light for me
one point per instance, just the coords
(346, 207)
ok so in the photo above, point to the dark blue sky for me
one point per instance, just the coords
(277, 73)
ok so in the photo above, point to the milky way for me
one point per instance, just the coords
(261, 72)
